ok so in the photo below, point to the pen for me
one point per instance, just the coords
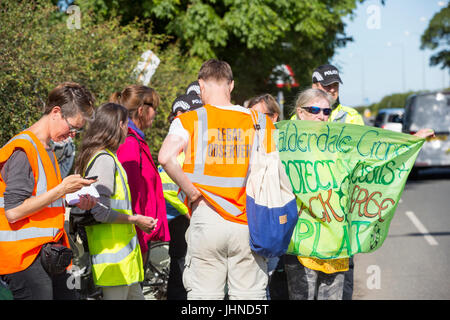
(102, 205)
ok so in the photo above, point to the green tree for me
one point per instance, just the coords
(395, 100)
(38, 50)
(437, 35)
(253, 36)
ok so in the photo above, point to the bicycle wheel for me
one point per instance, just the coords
(157, 271)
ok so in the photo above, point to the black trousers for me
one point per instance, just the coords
(348, 280)
(34, 283)
(177, 252)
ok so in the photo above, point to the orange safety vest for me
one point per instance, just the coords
(218, 155)
(21, 242)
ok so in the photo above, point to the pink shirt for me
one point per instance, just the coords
(145, 187)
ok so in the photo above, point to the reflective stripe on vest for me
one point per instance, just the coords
(117, 204)
(118, 256)
(41, 185)
(341, 116)
(198, 175)
(28, 233)
(170, 187)
(122, 204)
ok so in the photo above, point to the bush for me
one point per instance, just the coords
(39, 51)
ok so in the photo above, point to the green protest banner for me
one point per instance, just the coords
(348, 180)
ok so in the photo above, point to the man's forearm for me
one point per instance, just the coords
(167, 157)
(176, 173)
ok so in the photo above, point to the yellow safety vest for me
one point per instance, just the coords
(345, 115)
(114, 247)
(170, 189)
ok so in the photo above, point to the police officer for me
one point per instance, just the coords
(326, 78)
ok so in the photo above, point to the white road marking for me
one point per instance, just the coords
(422, 229)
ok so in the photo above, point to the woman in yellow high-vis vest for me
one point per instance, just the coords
(113, 244)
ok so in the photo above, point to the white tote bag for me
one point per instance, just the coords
(270, 205)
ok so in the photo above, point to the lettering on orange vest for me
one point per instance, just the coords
(218, 156)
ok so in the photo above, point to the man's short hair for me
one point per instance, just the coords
(217, 70)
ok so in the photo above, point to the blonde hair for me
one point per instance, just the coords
(304, 97)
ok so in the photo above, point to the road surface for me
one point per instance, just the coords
(414, 261)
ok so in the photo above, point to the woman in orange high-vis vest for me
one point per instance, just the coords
(217, 140)
(31, 195)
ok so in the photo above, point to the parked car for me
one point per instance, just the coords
(390, 119)
(430, 110)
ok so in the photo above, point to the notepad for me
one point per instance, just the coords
(74, 198)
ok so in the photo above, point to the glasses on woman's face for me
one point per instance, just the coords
(72, 129)
(316, 110)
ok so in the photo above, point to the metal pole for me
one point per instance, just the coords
(281, 103)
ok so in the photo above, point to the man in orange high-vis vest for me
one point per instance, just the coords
(217, 140)
(31, 195)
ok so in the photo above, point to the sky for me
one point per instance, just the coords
(385, 56)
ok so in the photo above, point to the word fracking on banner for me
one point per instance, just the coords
(348, 180)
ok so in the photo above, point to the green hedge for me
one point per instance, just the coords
(38, 50)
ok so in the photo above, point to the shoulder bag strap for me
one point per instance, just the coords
(93, 160)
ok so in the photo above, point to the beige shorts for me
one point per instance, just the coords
(218, 253)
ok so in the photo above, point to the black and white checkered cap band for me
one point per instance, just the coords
(193, 88)
(180, 105)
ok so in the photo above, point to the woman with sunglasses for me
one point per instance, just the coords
(303, 282)
(313, 105)
(32, 194)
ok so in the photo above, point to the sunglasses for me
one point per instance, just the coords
(316, 110)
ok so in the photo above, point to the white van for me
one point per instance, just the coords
(430, 110)
(389, 119)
